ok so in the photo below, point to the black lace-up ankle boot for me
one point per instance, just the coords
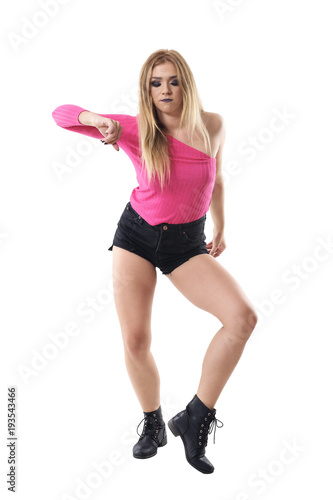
(153, 435)
(193, 425)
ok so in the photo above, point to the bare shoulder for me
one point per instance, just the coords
(215, 125)
(213, 121)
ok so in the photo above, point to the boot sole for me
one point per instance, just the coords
(163, 443)
(176, 432)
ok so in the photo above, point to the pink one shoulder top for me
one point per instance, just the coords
(188, 195)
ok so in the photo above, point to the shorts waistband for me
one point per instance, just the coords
(182, 225)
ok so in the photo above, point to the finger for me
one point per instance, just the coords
(114, 136)
(118, 132)
(108, 139)
(112, 139)
(108, 125)
(116, 147)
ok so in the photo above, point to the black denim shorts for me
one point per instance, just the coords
(165, 245)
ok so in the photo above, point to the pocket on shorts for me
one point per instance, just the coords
(194, 234)
(125, 223)
(131, 213)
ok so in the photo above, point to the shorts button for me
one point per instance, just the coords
(183, 232)
(165, 227)
(126, 208)
(139, 216)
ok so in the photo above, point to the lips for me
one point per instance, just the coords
(166, 100)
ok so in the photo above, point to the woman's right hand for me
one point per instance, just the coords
(110, 129)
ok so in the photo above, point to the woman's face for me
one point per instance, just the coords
(164, 85)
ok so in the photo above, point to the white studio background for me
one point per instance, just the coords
(265, 67)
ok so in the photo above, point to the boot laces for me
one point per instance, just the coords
(150, 427)
(208, 429)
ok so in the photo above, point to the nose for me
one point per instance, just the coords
(166, 88)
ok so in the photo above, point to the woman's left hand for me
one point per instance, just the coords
(217, 245)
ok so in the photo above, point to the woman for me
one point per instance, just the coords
(176, 149)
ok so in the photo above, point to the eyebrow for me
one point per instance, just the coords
(160, 78)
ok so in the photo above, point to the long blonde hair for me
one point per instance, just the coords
(153, 142)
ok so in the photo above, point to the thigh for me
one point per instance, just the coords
(209, 286)
(134, 282)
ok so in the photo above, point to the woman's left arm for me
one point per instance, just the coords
(217, 245)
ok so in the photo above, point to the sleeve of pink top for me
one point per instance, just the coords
(67, 116)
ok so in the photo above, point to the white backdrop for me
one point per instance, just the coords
(265, 66)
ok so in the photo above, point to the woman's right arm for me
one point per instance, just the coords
(78, 119)
(87, 118)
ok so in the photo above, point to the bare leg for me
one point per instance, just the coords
(209, 286)
(221, 358)
(145, 379)
(134, 281)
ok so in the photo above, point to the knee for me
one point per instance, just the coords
(243, 322)
(251, 319)
(136, 344)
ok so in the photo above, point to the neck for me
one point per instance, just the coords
(169, 121)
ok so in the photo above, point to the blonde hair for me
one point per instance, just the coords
(153, 142)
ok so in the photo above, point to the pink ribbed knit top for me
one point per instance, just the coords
(186, 198)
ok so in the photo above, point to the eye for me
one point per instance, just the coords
(157, 84)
